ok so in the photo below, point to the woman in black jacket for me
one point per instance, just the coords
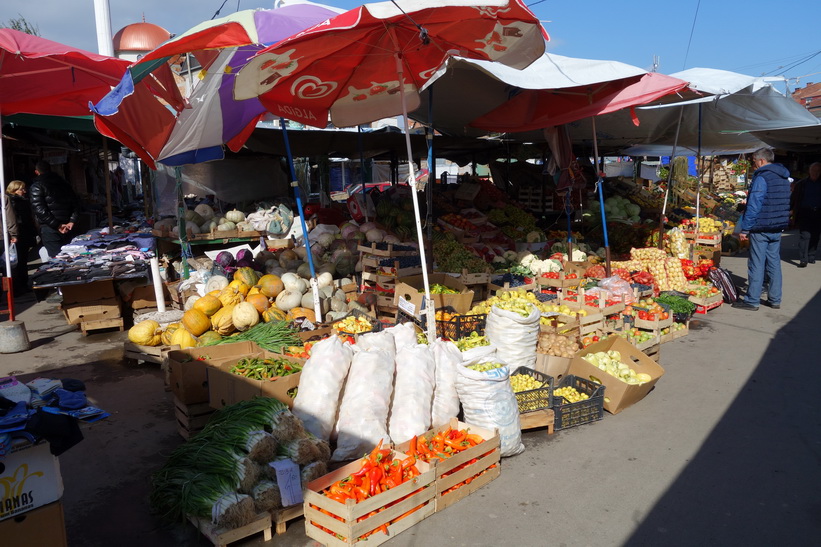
(26, 233)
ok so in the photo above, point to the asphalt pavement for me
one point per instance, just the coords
(726, 450)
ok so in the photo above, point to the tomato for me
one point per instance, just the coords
(665, 315)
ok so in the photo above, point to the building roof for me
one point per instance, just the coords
(140, 37)
(809, 97)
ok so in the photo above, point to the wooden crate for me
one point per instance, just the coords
(385, 253)
(114, 323)
(281, 517)
(191, 419)
(418, 493)
(221, 537)
(471, 477)
(146, 354)
(537, 419)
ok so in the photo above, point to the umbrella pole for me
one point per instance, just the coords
(431, 163)
(669, 181)
(599, 185)
(107, 176)
(10, 293)
(298, 195)
(185, 248)
(429, 309)
(362, 169)
(698, 172)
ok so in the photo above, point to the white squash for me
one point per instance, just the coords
(205, 211)
(324, 279)
(301, 286)
(244, 316)
(189, 302)
(226, 226)
(216, 283)
(288, 299)
(193, 216)
(235, 216)
(289, 280)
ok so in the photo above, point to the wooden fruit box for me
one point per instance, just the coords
(538, 418)
(712, 239)
(191, 419)
(389, 252)
(471, 278)
(221, 537)
(148, 354)
(681, 333)
(453, 483)
(114, 323)
(417, 495)
(560, 282)
(496, 289)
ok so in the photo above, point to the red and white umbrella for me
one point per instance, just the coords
(370, 63)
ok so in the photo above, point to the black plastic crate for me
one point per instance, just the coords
(535, 399)
(569, 414)
(461, 325)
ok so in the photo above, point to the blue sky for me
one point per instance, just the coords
(752, 37)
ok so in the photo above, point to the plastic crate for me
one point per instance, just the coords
(535, 399)
(569, 414)
(461, 326)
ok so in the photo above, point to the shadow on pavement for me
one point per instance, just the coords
(756, 478)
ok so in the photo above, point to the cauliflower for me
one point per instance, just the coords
(579, 256)
(544, 266)
(511, 256)
(536, 236)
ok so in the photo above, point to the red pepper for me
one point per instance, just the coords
(375, 475)
(412, 450)
(366, 466)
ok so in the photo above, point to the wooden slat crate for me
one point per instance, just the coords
(537, 419)
(114, 323)
(221, 537)
(147, 354)
(419, 493)
(191, 419)
(281, 517)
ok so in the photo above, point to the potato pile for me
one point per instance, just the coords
(558, 345)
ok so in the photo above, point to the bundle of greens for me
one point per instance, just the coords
(272, 336)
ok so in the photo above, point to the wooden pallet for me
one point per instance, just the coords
(221, 537)
(191, 419)
(115, 322)
(146, 354)
(536, 419)
(281, 517)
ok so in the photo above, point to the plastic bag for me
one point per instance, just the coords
(377, 340)
(363, 413)
(445, 398)
(488, 401)
(12, 256)
(412, 393)
(514, 336)
(479, 352)
(618, 287)
(404, 334)
(320, 386)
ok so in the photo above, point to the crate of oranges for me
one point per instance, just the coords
(453, 326)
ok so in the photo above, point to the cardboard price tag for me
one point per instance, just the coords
(289, 482)
(406, 306)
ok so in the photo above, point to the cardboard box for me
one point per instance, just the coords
(408, 298)
(187, 368)
(44, 526)
(143, 297)
(88, 292)
(552, 365)
(98, 310)
(226, 388)
(31, 478)
(618, 395)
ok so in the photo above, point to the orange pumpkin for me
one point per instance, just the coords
(299, 312)
(270, 285)
(240, 287)
(195, 322)
(259, 301)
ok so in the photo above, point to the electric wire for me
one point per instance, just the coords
(692, 30)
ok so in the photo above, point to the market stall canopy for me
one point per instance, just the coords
(491, 85)
(147, 112)
(796, 139)
(348, 68)
(39, 76)
(741, 105)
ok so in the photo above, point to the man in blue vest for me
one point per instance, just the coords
(766, 216)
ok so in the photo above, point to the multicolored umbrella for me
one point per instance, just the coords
(147, 113)
(38, 76)
(370, 63)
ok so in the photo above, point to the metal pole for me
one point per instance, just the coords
(10, 294)
(185, 247)
(599, 185)
(669, 180)
(362, 169)
(107, 176)
(298, 195)
(431, 164)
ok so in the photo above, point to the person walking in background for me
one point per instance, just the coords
(806, 206)
(55, 205)
(766, 216)
(26, 233)
(11, 223)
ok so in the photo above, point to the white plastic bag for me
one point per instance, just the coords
(473, 355)
(377, 340)
(514, 336)
(320, 386)
(404, 334)
(12, 256)
(363, 413)
(488, 401)
(412, 393)
(617, 287)
(445, 398)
